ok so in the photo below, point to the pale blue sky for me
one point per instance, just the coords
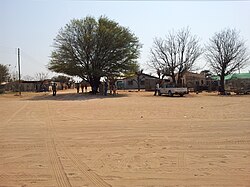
(32, 25)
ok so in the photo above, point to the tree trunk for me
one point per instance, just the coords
(179, 82)
(138, 82)
(222, 84)
(173, 79)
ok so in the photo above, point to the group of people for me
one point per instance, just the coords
(83, 86)
(103, 88)
(77, 85)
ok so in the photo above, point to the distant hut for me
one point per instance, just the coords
(238, 83)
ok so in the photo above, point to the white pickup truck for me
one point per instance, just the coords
(170, 90)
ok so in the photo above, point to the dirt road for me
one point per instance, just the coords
(133, 139)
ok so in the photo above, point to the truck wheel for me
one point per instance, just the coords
(181, 95)
(170, 94)
(159, 93)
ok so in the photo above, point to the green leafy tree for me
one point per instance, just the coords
(92, 49)
(4, 73)
(61, 79)
(226, 52)
(132, 70)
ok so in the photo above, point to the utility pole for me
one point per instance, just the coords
(19, 72)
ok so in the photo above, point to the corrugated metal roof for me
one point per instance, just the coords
(233, 76)
(240, 76)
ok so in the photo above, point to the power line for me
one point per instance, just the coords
(31, 58)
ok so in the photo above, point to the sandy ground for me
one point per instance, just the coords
(133, 139)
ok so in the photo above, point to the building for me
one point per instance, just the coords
(202, 81)
(28, 86)
(237, 82)
(146, 81)
(194, 81)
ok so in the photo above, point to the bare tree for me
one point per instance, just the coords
(28, 78)
(175, 55)
(226, 53)
(41, 76)
(160, 68)
(139, 78)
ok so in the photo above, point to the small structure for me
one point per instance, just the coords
(202, 81)
(193, 81)
(146, 82)
(28, 86)
(238, 83)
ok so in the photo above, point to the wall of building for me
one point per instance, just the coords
(146, 82)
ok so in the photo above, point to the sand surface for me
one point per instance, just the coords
(133, 139)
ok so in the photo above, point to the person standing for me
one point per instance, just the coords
(157, 86)
(54, 89)
(77, 87)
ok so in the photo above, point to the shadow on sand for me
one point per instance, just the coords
(73, 97)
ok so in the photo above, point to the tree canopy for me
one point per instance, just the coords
(61, 78)
(226, 52)
(92, 49)
(4, 73)
(175, 54)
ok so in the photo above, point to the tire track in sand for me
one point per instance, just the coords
(58, 170)
(87, 173)
(6, 123)
(57, 167)
(90, 175)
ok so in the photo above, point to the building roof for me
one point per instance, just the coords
(241, 76)
(234, 76)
